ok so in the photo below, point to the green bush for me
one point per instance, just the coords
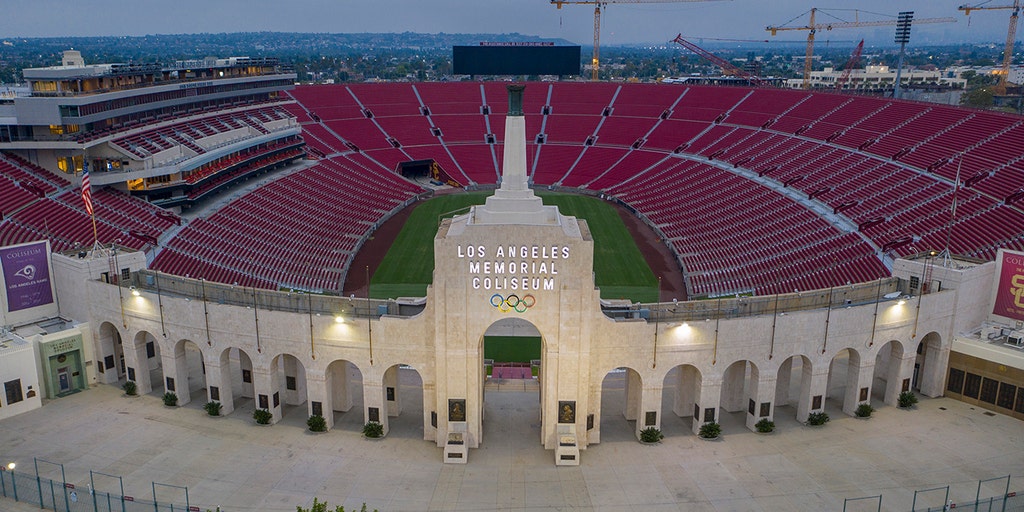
(765, 425)
(906, 399)
(317, 423)
(373, 429)
(262, 416)
(212, 408)
(130, 388)
(864, 410)
(817, 418)
(710, 430)
(170, 399)
(321, 506)
(651, 435)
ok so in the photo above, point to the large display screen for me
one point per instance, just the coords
(513, 59)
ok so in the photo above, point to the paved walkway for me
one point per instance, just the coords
(243, 467)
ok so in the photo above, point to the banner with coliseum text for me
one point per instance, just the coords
(1010, 290)
(26, 273)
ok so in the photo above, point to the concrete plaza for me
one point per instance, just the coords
(233, 463)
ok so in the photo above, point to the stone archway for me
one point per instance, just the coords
(930, 365)
(147, 372)
(512, 368)
(892, 372)
(739, 394)
(685, 383)
(343, 386)
(844, 386)
(403, 398)
(186, 371)
(793, 384)
(110, 353)
(621, 390)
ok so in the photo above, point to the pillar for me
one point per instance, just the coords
(218, 383)
(686, 391)
(391, 395)
(374, 403)
(339, 393)
(176, 367)
(650, 408)
(706, 406)
(933, 368)
(762, 391)
(267, 386)
(293, 369)
(140, 365)
(782, 383)
(859, 375)
(631, 409)
(317, 391)
(899, 369)
(813, 388)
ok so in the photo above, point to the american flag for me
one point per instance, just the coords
(86, 192)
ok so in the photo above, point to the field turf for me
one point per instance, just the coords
(619, 267)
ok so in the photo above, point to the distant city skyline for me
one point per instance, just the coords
(622, 23)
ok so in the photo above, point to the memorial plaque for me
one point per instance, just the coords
(709, 414)
(433, 419)
(277, 399)
(246, 376)
(590, 422)
(264, 402)
(816, 402)
(863, 394)
(650, 418)
(567, 411)
(766, 409)
(456, 409)
(750, 407)
(374, 414)
(289, 383)
(214, 393)
(696, 412)
(318, 408)
(906, 385)
(131, 373)
(391, 393)
(170, 383)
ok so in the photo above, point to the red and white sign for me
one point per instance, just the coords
(1009, 301)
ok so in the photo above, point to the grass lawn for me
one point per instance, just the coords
(619, 267)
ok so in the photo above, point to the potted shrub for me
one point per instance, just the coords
(212, 408)
(317, 423)
(906, 400)
(170, 399)
(710, 430)
(651, 435)
(817, 419)
(262, 416)
(373, 430)
(130, 388)
(765, 426)
(864, 410)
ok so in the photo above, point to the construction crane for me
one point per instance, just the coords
(726, 66)
(813, 27)
(850, 64)
(595, 62)
(1011, 33)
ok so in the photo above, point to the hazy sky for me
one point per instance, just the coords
(623, 24)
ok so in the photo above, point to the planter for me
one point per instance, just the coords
(716, 438)
(650, 443)
(315, 433)
(381, 438)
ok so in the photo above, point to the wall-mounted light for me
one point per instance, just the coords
(11, 466)
(901, 302)
(339, 319)
(135, 292)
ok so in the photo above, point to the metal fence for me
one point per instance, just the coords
(938, 499)
(62, 496)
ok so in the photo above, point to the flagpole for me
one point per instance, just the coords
(952, 213)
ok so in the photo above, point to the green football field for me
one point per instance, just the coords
(619, 267)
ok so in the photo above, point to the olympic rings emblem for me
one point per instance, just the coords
(513, 302)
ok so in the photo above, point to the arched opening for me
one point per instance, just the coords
(343, 403)
(887, 380)
(110, 354)
(148, 371)
(792, 384)
(738, 398)
(189, 375)
(842, 392)
(403, 396)
(231, 383)
(620, 404)
(511, 397)
(288, 387)
(681, 396)
(929, 366)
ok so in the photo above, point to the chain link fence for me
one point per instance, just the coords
(59, 496)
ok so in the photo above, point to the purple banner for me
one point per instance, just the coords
(26, 276)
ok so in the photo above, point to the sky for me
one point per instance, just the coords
(626, 23)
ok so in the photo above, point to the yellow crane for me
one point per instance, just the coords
(595, 62)
(1011, 33)
(813, 27)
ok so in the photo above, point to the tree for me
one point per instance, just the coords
(978, 98)
(321, 506)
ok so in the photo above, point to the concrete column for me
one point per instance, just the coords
(812, 384)
(248, 388)
(317, 390)
(141, 366)
(933, 371)
(733, 384)
(218, 375)
(898, 370)
(373, 396)
(650, 402)
(290, 367)
(708, 398)
(687, 387)
(859, 375)
(339, 393)
(631, 409)
(266, 384)
(394, 405)
(783, 381)
(176, 367)
(762, 391)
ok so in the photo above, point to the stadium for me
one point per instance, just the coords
(824, 251)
